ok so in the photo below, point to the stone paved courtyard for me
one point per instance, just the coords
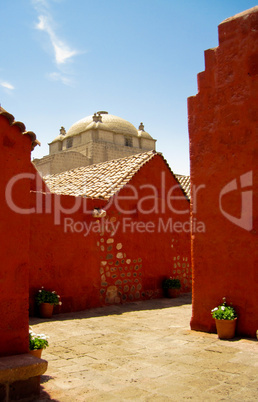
(143, 351)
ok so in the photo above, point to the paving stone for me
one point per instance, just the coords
(143, 351)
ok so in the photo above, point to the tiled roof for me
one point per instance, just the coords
(185, 184)
(98, 181)
(21, 126)
(101, 180)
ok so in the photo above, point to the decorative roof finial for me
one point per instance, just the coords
(97, 117)
(141, 127)
(62, 131)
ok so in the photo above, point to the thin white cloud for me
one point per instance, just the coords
(60, 77)
(62, 51)
(6, 85)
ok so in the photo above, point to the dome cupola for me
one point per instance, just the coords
(103, 121)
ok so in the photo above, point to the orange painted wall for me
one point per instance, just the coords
(104, 267)
(223, 124)
(14, 235)
(61, 260)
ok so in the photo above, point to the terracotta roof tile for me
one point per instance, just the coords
(185, 184)
(102, 180)
(21, 126)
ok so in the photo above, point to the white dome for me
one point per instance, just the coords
(104, 121)
(142, 132)
(58, 138)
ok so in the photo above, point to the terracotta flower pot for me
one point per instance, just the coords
(226, 328)
(36, 352)
(46, 310)
(173, 293)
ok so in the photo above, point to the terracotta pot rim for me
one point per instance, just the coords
(221, 319)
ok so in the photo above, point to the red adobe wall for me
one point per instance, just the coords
(61, 260)
(223, 123)
(15, 151)
(105, 267)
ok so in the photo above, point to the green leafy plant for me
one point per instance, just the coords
(224, 312)
(46, 296)
(171, 283)
(37, 341)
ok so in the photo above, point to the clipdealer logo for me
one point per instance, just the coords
(245, 221)
(128, 225)
(246, 216)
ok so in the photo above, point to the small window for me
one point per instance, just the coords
(128, 142)
(69, 143)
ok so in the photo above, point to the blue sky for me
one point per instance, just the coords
(62, 60)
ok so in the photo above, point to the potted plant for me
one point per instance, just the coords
(171, 287)
(225, 318)
(46, 301)
(37, 342)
